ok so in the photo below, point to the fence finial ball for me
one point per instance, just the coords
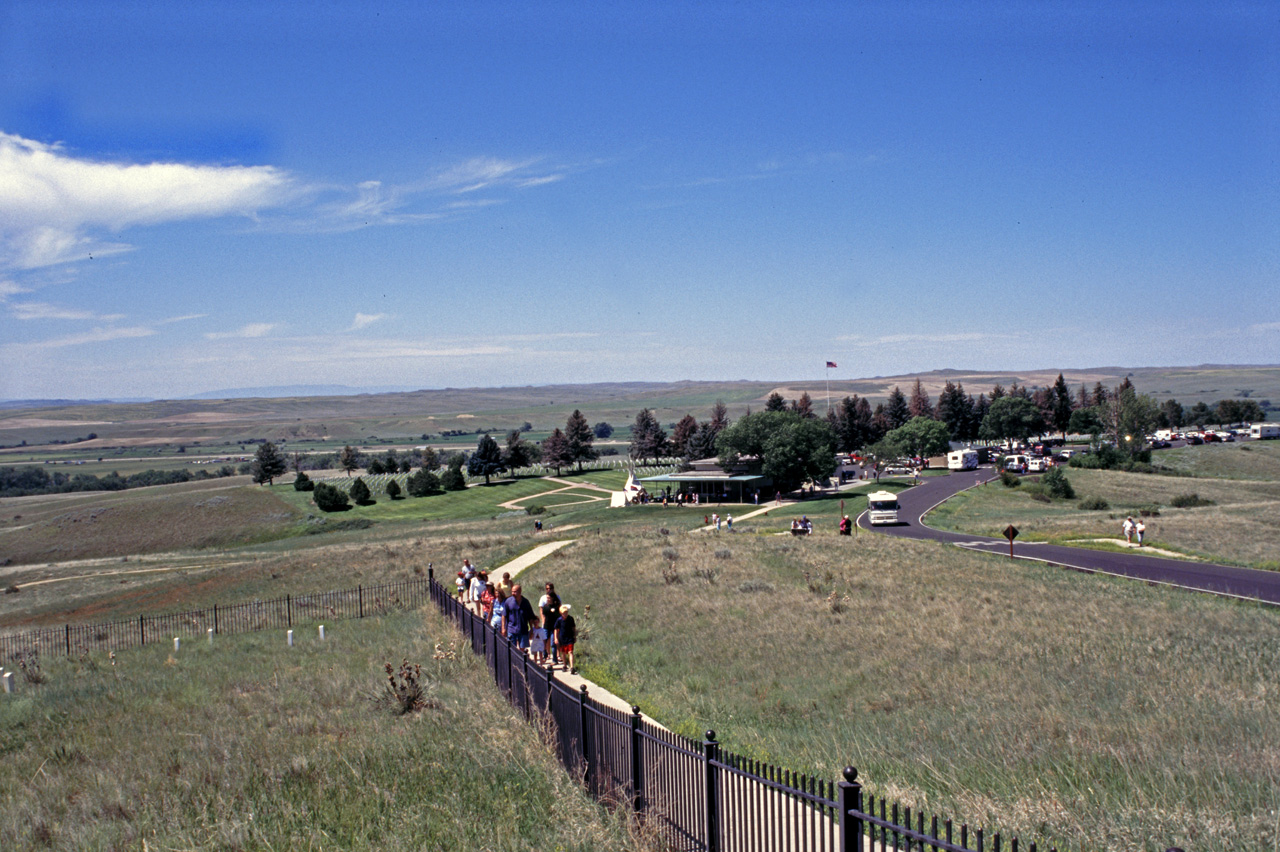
(850, 774)
(711, 735)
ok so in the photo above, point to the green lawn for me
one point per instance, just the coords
(1252, 460)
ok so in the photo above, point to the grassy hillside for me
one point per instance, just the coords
(1101, 714)
(249, 744)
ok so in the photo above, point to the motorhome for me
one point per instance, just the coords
(1264, 430)
(882, 508)
(962, 460)
(1166, 434)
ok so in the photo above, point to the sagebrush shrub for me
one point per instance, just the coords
(1094, 504)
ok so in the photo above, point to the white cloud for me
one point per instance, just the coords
(42, 311)
(55, 206)
(365, 320)
(1260, 327)
(183, 318)
(97, 335)
(9, 288)
(905, 339)
(253, 329)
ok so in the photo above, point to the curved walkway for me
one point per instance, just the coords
(1225, 580)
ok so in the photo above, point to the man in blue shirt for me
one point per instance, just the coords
(517, 618)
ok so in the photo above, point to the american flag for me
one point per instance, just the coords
(831, 365)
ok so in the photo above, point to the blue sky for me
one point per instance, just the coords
(215, 195)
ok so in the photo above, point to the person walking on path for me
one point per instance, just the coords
(1140, 529)
(566, 634)
(1129, 528)
(549, 605)
(505, 585)
(729, 522)
(715, 519)
(517, 618)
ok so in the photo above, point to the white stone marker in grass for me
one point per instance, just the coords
(210, 633)
(290, 638)
(176, 643)
(8, 681)
(322, 632)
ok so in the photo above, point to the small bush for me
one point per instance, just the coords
(536, 509)
(708, 574)
(1035, 490)
(670, 554)
(330, 499)
(393, 489)
(1094, 504)
(407, 690)
(671, 576)
(1057, 484)
(453, 480)
(360, 493)
(12, 589)
(1190, 501)
(1009, 480)
(751, 586)
(422, 483)
(724, 554)
(1151, 511)
(303, 483)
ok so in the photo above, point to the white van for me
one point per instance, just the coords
(1264, 430)
(1017, 463)
(882, 508)
(962, 460)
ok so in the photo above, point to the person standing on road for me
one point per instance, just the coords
(1129, 528)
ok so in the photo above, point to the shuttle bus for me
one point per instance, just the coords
(882, 508)
(962, 460)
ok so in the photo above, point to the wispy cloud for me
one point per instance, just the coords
(182, 318)
(44, 311)
(97, 335)
(1261, 327)
(925, 339)
(365, 320)
(56, 207)
(253, 329)
(10, 288)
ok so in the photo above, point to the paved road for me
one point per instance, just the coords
(1225, 580)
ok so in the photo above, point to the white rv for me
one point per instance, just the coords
(962, 460)
(1264, 430)
(882, 508)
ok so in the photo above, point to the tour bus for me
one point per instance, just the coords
(882, 508)
(1264, 430)
(962, 460)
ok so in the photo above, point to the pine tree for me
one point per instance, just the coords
(1061, 405)
(804, 406)
(578, 435)
(681, 435)
(393, 489)
(775, 402)
(453, 480)
(647, 438)
(422, 483)
(719, 416)
(486, 460)
(702, 444)
(268, 463)
(348, 459)
(919, 405)
(555, 451)
(303, 483)
(330, 499)
(519, 452)
(360, 493)
(896, 410)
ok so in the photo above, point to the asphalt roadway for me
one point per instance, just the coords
(1226, 580)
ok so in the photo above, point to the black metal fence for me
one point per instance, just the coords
(692, 794)
(279, 613)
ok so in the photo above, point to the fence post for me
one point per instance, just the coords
(850, 799)
(637, 762)
(68, 640)
(142, 632)
(360, 599)
(215, 618)
(711, 752)
(582, 734)
(288, 609)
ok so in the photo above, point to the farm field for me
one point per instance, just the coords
(1241, 526)
(250, 744)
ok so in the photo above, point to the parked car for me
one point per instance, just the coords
(1193, 439)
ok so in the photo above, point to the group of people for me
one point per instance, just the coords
(1134, 529)
(802, 526)
(547, 636)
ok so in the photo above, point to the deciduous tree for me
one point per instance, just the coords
(920, 436)
(555, 451)
(791, 448)
(1011, 418)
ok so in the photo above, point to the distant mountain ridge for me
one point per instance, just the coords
(281, 391)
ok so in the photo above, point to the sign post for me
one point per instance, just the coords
(1011, 532)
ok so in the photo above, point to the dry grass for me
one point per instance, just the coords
(250, 744)
(1100, 713)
